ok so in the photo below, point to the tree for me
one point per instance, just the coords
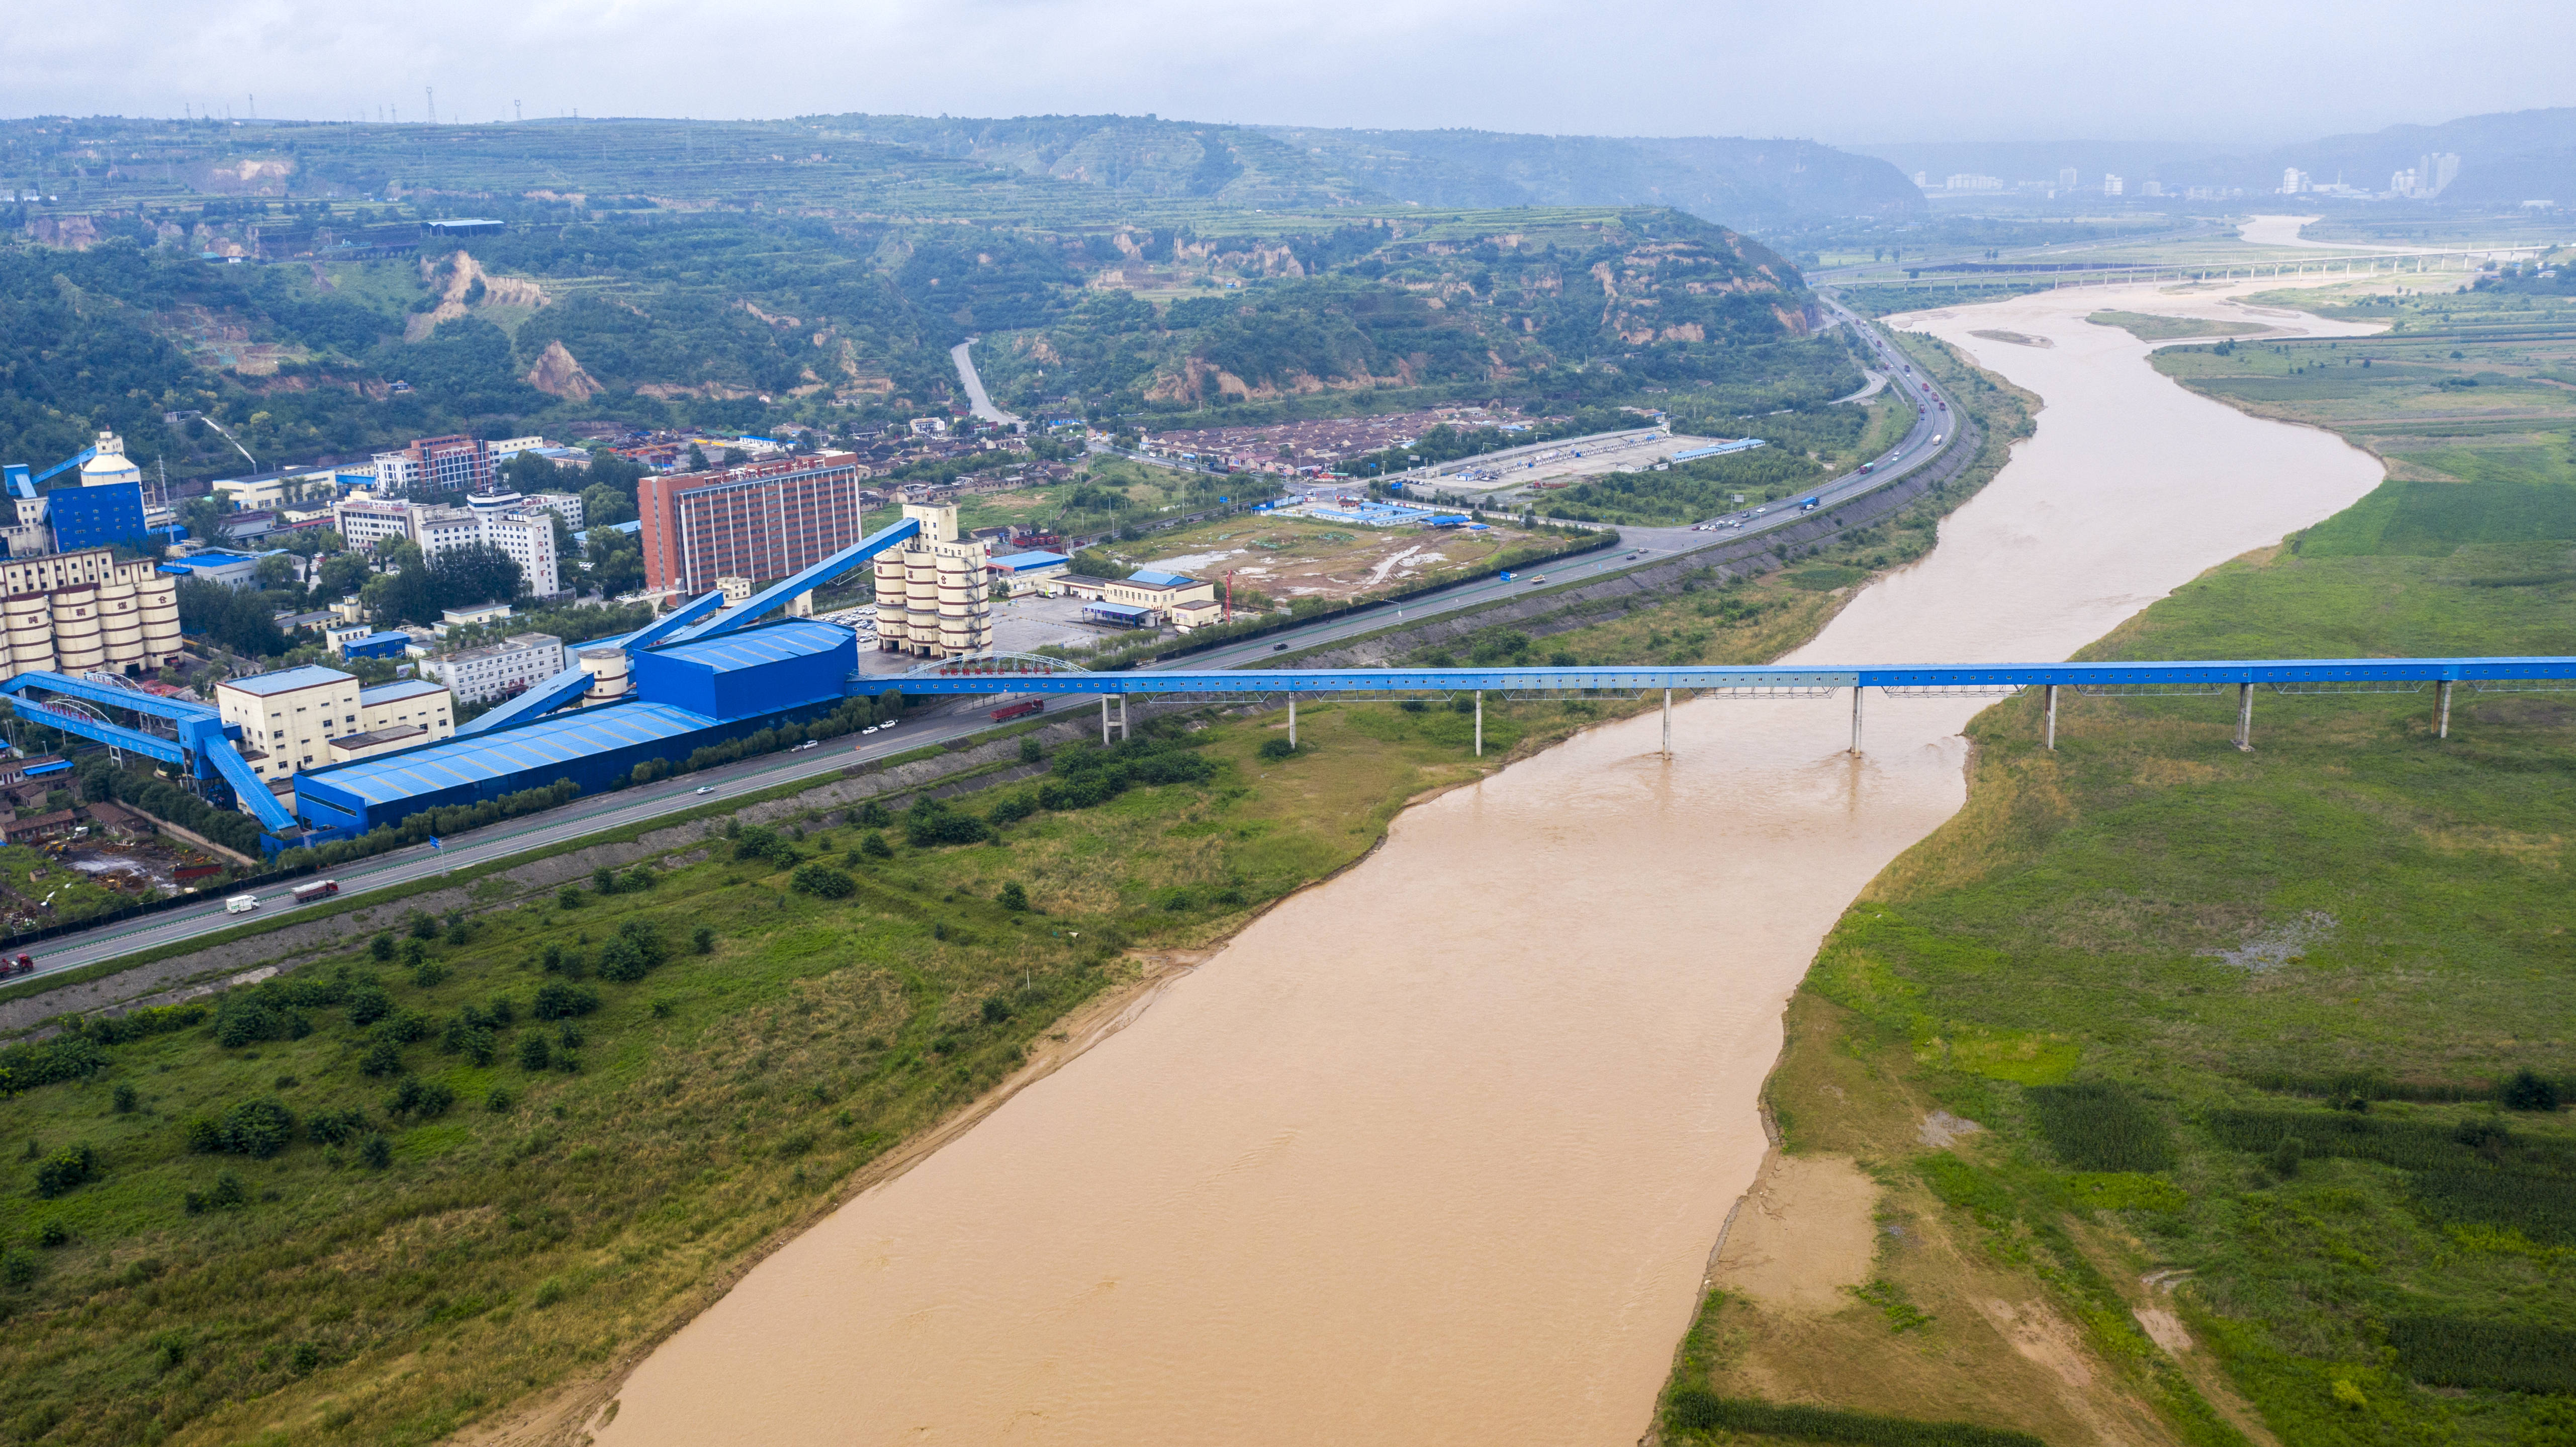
(274, 571)
(603, 505)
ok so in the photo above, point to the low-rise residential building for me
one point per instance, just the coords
(500, 670)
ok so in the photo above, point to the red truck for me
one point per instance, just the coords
(316, 889)
(23, 965)
(1021, 709)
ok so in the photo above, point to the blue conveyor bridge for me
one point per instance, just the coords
(174, 731)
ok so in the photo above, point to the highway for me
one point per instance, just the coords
(1643, 547)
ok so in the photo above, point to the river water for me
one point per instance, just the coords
(1436, 1153)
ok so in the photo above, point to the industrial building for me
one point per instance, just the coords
(291, 720)
(104, 509)
(761, 520)
(934, 593)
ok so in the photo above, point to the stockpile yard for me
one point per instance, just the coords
(1328, 439)
(1286, 558)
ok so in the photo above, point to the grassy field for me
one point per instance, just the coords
(2242, 1031)
(386, 1196)
(2148, 328)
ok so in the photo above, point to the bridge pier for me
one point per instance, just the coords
(2052, 717)
(1292, 720)
(1668, 723)
(1855, 748)
(2442, 727)
(2245, 718)
(1480, 723)
(1104, 720)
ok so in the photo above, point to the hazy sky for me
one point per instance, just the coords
(1838, 70)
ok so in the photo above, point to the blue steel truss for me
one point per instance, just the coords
(204, 745)
(543, 696)
(2493, 673)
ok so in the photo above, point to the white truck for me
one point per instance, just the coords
(241, 904)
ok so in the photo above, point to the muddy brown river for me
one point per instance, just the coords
(1436, 1153)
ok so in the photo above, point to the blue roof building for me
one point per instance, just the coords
(233, 570)
(98, 516)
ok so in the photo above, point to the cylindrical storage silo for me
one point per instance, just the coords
(77, 641)
(891, 629)
(157, 596)
(120, 623)
(29, 621)
(607, 670)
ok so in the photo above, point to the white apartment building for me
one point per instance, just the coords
(564, 505)
(520, 528)
(498, 670)
(396, 471)
(84, 611)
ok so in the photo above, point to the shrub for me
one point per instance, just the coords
(229, 1194)
(996, 1009)
(823, 882)
(53, 1234)
(1031, 750)
(420, 1099)
(124, 1099)
(377, 1152)
(421, 926)
(2527, 1091)
(382, 1058)
(559, 1001)
(2507, 1356)
(17, 1268)
(408, 1028)
(2101, 1126)
(498, 1101)
(1693, 1409)
(930, 823)
(621, 961)
(2286, 1155)
(1013, 809)
(65, 1169)
(381, 947)
(703, 939)
(873, 815)
(874, 846)
(257, 1128)
(569, 897)
(428, 974)
(415, 953)
(1013, 897)
(368, 1004)
(534, 1052)
(603, 880)
(335, 1127)
(1273, 750)
(640, 877)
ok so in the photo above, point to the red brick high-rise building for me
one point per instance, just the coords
(762, 520)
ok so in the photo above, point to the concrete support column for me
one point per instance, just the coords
(1480, 723)
(2245, 717)
(1855, 748)
(1104, 720)
(2052, 718)
(2442, 728)
(1668, 723)
(1292, 720)
(1125, 730)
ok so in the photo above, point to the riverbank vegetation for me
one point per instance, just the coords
(2266, 1054)
(479, 1157)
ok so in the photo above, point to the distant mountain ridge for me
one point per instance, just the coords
(1736, 182)
(2506, 157)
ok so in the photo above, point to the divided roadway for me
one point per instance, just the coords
(627, 807)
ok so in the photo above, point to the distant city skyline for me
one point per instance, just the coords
(1851, 73)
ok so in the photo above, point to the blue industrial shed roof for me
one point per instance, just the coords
(1156, 578)
(797, 638)
(399, 689)
(558, 739)
(287, 680)
(1121, 610)
(1017, 561)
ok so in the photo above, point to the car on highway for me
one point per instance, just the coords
(1278, 647)
(23, 965)
(808, 744)
(1541, 578)
(706, 788)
